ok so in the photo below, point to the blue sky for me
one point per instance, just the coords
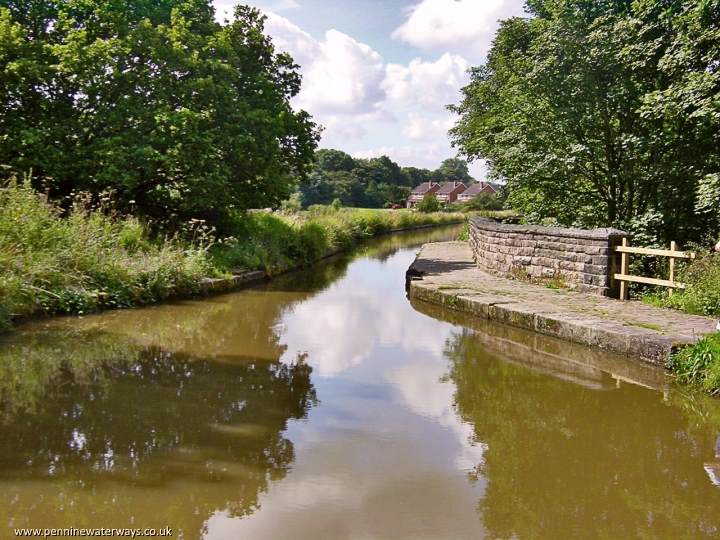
(378, 74)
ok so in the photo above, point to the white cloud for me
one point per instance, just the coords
(291, 38)
(427, 83)
(344, 77)
(419, 127)
(456, 25)
(340, 75)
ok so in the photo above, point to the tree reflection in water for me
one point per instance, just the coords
(552, 473)
(124, 434)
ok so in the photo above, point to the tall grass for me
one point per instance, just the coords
(84, 261)
(276, 242)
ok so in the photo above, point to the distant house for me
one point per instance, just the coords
(479, 188)
(418, 194)
(449, 191)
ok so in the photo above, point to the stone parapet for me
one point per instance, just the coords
(583, 259)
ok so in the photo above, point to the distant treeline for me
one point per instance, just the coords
(370, 183)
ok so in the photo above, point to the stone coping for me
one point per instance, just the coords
(489, 224)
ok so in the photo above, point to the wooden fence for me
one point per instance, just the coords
(624, 278)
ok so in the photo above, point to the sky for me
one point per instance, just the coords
(378, 75)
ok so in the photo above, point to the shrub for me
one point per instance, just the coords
(277, 242)
(429, 204)
(699, 364)
(482, 202)
(702, 295)
(84, 261)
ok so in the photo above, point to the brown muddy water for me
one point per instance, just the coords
(323, 405)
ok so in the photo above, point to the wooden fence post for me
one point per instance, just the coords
(623, 270)
(673, 247)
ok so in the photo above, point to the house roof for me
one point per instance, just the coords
(474, 189)
(423, 188)
(449, 187)
(478, 187)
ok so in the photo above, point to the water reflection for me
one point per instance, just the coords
(155, 435)
(565, 460)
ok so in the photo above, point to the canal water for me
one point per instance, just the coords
(324, 405)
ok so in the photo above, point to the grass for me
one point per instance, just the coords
(86, 260)
(699, 364)
(277, 242)
(557, 281)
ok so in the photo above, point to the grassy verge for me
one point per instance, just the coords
(87, 260)
(277, 242)
(699, 364)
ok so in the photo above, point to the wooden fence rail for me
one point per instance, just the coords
(624, 278)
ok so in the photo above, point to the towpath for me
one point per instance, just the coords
(445, 273)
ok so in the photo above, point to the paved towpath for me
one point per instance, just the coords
(445, 273)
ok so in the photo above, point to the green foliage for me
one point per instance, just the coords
(464, 235)
(482, 202)
(276, 243)
(175, 115)
(702, 295)
(452, 169)
(292, 204)
(85, 261)
(429, 204)
(603, 113)
(699, 364)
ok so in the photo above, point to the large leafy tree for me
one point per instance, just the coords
(453, 169)
(174, 114)
(601, 113)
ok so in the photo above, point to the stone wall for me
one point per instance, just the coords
(583, 259)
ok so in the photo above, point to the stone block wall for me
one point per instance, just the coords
(584, 259)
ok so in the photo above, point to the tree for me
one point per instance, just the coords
(453, 169)
(333, 160)
(416, 176)
(600, 113)
(370, 183)
(176, 115)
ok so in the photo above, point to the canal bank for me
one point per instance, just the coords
(99, 268)
(446, 274)
(241, 278)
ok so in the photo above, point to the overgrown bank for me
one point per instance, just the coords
(86, 261)
(698, 364)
